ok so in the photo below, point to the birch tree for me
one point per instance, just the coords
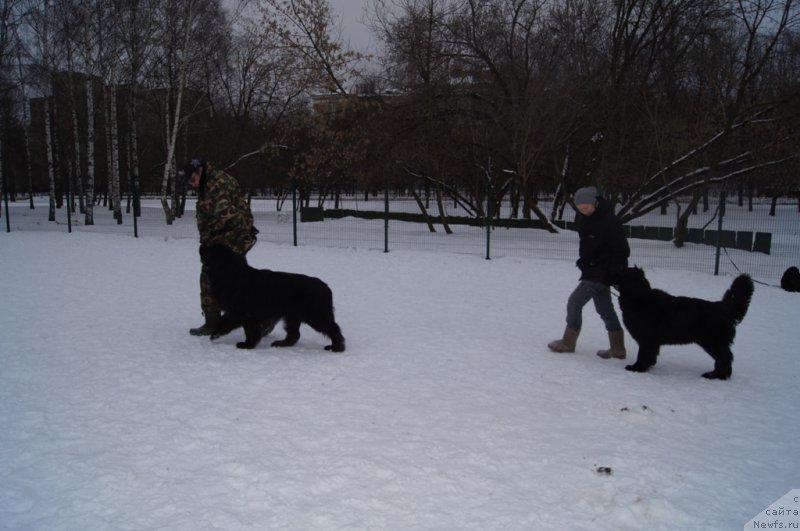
(115, 196)
(40, 23)
(188, 34)
(97, 51)
(26, 120)
(69, 20)
(136, 30)
(9, 20)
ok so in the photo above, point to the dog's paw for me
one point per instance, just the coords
(714, 375)
(335, 348)
(244, 344)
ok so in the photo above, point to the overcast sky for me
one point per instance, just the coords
(351, 13)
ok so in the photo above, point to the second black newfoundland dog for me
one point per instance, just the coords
(257, 299)
(654, 318)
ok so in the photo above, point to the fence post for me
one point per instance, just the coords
(294, 211)
(69, 202)
(4, 193)
(719, 230)
(488, 217)
(134, 191)
(385, 214)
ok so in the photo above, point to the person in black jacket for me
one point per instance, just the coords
(603, 248)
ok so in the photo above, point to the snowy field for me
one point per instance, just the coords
(447, 411)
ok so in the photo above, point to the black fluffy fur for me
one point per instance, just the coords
(655, 318)
(790, 281)
(257, 299)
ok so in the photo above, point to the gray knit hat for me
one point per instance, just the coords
(585, 196)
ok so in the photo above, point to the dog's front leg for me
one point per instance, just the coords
(722, 365)
(646, 358)
(227, 324)
(252, 334)
(292, 325)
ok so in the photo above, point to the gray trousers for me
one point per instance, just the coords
(601, 295)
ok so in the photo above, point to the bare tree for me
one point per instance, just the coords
(188, 35)
(308, 28)
(136, 31)
(506, 41)
(40, 22)
(10, 18)
(422, 64)
(260, 84)
(756, 27)
(97, 50)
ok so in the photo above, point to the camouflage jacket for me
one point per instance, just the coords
(223, 215)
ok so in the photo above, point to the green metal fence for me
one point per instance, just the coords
(726, 239)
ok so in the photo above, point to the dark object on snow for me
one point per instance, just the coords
(655, 318)
(790, 281)
(257, 299)
(605, 470)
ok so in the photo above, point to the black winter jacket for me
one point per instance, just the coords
(603, 245)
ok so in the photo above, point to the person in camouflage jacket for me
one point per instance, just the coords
(223, 217)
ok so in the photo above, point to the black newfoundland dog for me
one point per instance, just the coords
(654, 318)
(257, 299)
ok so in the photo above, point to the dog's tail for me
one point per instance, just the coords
(737, 298)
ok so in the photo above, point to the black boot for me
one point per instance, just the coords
(208, 328)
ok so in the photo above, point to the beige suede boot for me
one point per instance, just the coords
(566, 343)
(617, 350)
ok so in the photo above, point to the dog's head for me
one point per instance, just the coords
(220, 256)
(628, 279)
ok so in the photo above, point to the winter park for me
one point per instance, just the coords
(447, 411)
(313, 264)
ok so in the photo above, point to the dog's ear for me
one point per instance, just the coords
(613, 275)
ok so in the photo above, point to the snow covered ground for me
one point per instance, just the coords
(447, 411)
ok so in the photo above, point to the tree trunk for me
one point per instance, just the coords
(172, 133)
(56, 152)
(28, 160)
(541, 216)
(134, 156)
(51, 177)
(76, 163)
(422, 209)
(109, 163)
(169, 213)
(116, 197)
(442, 215)
(682, 223)
(89, 189)
(514, 200)
(2, 182)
